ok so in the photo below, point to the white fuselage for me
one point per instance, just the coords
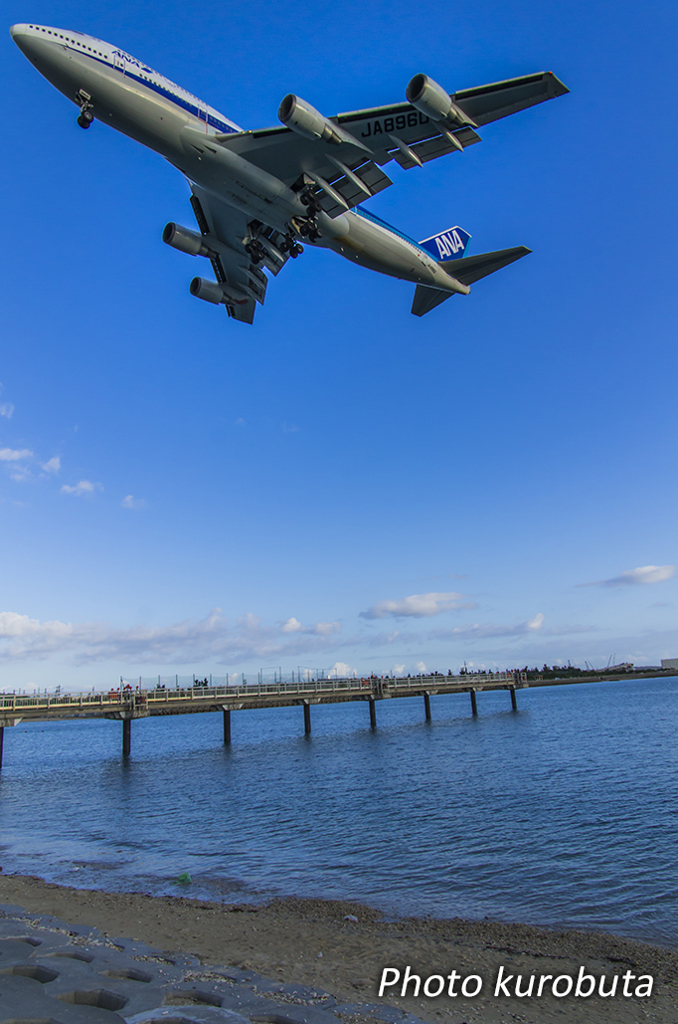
(134, 99)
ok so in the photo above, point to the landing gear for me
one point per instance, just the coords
(296, 250)
(308, 199)
(256, 251)
(288, 243)
(309, 226)
(309, 229)
(84, 101)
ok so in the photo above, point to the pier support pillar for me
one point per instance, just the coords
(427, 707)
(514, 702)
(126, 736)
(227, 727)
(2, 740)
(474, 705)
(373, 714)
(307, 719)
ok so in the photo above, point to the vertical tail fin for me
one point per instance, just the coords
(447, 245)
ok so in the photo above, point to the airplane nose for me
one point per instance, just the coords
(29, 41)
(22, 38)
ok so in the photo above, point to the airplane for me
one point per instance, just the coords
(256, 194)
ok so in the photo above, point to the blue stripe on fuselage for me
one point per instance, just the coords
(162, 91)
(362, 212)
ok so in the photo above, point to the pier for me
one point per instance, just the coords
(126, 703)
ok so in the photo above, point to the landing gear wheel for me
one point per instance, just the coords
(296, 250)
(256, 251)
(85, 118)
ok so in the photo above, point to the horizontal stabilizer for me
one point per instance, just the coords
(466, 271)
(472, 268)
(426, 299)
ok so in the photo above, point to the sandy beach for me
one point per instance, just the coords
(311, 942)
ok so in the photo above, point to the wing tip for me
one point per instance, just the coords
(558, 88)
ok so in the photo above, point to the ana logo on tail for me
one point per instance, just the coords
(448, 245)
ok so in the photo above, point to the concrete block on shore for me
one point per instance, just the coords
(66, 974)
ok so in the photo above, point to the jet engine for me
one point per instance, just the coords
(304, 119)
(211, 291)
(433, 101)
(184, 240)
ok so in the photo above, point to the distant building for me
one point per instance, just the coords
(669, 662)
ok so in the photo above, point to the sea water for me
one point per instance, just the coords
(564, 812)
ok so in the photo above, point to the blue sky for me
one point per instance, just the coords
(343, 483)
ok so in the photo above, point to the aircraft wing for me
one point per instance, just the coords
(228, 233)
(353, 171)
(490, 102)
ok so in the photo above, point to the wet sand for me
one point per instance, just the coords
(309, 941)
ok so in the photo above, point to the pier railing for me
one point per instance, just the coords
(126, 696)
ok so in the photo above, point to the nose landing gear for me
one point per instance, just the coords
(84, 101)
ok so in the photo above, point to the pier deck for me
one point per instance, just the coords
(181, 701)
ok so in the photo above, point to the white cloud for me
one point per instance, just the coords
(81, 488)
(6, 409)
(52, 465)
(398, 670)
(535, 623)
(14, 454)
(292, 626)
(319, 628)
(325, 628)
(131, 502)
(340, 670)
(633, 577)
(489, 630)
(212, 639)
(15, 625)
(417, 606)
(420, 667)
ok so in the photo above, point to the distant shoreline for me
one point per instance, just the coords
(283, 939)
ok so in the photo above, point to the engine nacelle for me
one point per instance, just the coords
(433, 101)
(184, 240)
(304, 119)
(210, 291)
